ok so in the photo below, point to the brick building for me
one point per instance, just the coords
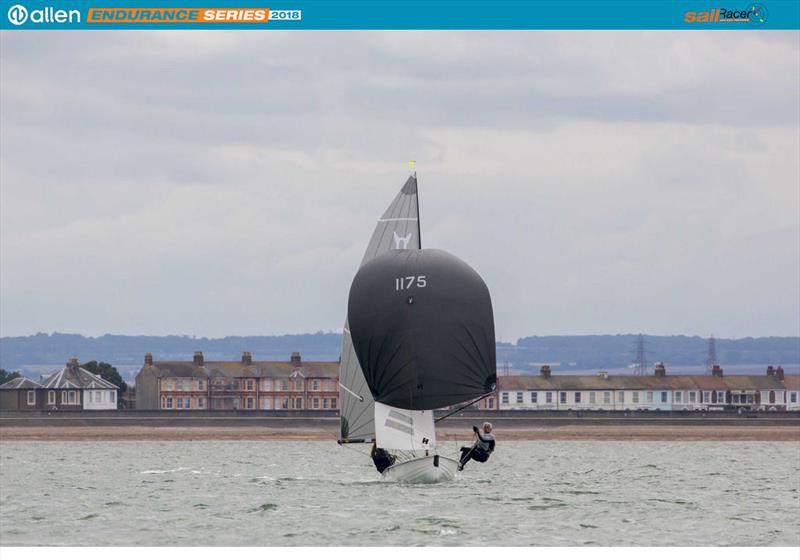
(242, 385)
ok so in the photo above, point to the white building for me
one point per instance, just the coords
(652, 392)
(74, 387)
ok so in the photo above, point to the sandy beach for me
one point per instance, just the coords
(564, 432)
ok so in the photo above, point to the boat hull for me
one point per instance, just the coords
(422, 470)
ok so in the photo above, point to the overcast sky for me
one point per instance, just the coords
(227, 182)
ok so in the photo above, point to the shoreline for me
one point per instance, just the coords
(772, 433)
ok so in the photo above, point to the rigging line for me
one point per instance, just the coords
(462, 408)
(356, 395)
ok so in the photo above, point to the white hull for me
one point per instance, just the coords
(422, 470)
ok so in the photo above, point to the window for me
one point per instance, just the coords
(285, 403)
(285, 385)
(113, 395)
(298, 384)
(180, 386)
(267, 384)
(266, 404)
(707, 396)
(504, 398)
(490, 403)
(315, 385)
(592, 397)
(793, 397)
(180, 402)
(324, 403)
(188, 403)
(169, 402)
(333, 402)
(720, 396)
(678, 396)
(636, 397)
(562, 397)
(51, 397)
(650, 396)
(316, 403)
(577, 397)
(31, 397)
(249, 402)
(548, 397)
(200, 385)
(298, 403)
(249, 384)
(622, 396)
(201, 402)
(692, 396)
(606, 397)
(519, 397)
(534, 398)
(664, 396)
(772, 397)
(71, 397)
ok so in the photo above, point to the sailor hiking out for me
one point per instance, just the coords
(481, 449)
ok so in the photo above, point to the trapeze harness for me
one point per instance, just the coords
(480, 450)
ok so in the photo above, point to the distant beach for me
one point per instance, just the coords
(290, 432)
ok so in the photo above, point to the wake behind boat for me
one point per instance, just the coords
(419, 336)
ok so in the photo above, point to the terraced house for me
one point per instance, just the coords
(242, 385)
(773, 391)
(70, 388)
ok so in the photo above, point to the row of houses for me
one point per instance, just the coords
(242, 385)
(297, 385)
(772, 391)
(70, 388)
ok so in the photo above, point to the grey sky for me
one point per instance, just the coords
(227, 183)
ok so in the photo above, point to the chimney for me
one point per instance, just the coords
(779, 374)
(198, 359)
(148, 359)
(770, 370)
(73, 364)
(716, 371)
(247, 359)
(661, 370)
(544, 371)
(296, 361)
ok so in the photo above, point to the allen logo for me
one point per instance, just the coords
(398, 241)
(17, 14)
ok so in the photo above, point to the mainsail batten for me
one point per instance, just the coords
(398, 227)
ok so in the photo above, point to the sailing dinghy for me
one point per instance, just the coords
(419, 336)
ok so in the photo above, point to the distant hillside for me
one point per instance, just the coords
(565, 352)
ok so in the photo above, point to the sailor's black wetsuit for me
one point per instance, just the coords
(480, 450)
(382, 459)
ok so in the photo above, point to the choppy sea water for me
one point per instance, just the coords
(556, 493)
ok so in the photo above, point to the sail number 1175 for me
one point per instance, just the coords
(408, 282)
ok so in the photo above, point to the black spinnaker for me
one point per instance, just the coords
(422, 327)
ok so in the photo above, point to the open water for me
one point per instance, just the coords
(316, 493)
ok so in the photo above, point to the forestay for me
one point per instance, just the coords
(397, 228)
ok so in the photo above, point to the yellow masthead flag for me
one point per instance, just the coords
(411, 164)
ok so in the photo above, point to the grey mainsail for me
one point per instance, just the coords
(397, 228)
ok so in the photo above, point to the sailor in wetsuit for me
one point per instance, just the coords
(481, 449)
(382, 458)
